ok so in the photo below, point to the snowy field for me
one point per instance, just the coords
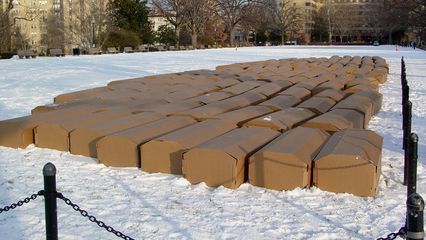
(161, 206)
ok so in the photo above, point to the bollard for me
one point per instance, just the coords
(50, 194)
(406, 140)
(412, 165)
(415, 220)
(405, 100)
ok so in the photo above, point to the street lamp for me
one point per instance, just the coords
(93, 31)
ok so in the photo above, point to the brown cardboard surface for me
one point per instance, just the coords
(349, 162)
(83, 139)
(267, 89)
(172, 108)
(335, 84)
(285, 163)
(241, 87)
(210, 110)
(375, 97)
(334, 94)
(282, 120)
(164, 154)
(301, 93)
(55, 135)
(359, 103)
(362, 87)
(337, 120)
(121, 149)
(318, 105)
(246, 99)
(80, 94)
(238, 117)
(281, 102)
(211, 97)
(221, 161)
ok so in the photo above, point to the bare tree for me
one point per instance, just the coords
(232, 12)
(395, 16)
(287, 18)
(197, 15)
(344, 24)
(173, 11)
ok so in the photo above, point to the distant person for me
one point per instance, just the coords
(414, 45)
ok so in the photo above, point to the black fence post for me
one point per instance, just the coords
(405, 99)
(415, 221)
(406, 139)
(50, 194)
(412, 164)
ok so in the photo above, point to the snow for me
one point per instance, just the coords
(161, 206)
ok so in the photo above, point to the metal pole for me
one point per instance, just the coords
(405, 99)
(415, 221)
(412, 165)
(50, 194)
(406, 140)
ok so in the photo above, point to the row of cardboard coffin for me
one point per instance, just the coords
(353, 112)
(174, 87)
(216, 152)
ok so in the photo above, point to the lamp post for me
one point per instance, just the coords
(93, 31)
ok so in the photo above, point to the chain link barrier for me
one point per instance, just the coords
(93, 219)
(402, 232)
(21, 202)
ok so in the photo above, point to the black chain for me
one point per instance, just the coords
(92, 218)
(401, 233)
(21, 202)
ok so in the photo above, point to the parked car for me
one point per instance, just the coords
(376, 43)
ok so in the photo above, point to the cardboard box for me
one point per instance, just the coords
(172, 108)
(282, 120)
(281, 102)
(349, 162)
(335, 84)
(211, 97)
(375, 97)
(80, 94)
(242, 115)
(18, 132)
(164, 154)
(241, 87)
(267, 89)
(222, 160)
(336, 120)
(333, 94)
(83, 139)
(359, 103)
(286, 162)
(121, 149)
(55, 135)
(301, 93)
(210, 110)
(226, 82)
(318, 105)
(246, 99)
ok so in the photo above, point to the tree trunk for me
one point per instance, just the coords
(390, 37)
(194, 39)
(177, 32)
(232, 36)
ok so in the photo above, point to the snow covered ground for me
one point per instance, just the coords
(161, 206)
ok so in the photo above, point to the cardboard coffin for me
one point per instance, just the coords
(209, 110)
(83, 139)
(226, 82)
(335, 84)
(164, 154)
(375, 97)
(349, 162)
(362, 87)
(334, 94)
(246, 99)
(318, 105)
(267, 89)
(286, 162)
(121, 149)
(210, 97)
(88, 93)
(221, 161)
(19, 132)
(55, 135)
(243, 115)
(282, 120)
(241, 87)
(337, 120)
(301, 93)
(359, 103)
(281, 102)
(172, 108)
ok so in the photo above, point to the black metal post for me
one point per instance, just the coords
(415, 221)
(406, 139)
(405, 99)
(412, 165)
(50, 194)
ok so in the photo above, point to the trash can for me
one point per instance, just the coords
(76, 51)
